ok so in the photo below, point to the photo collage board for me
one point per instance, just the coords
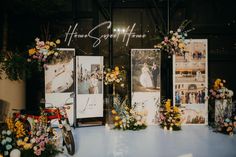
(190, 82)
(145, 82)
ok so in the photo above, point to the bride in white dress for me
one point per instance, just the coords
(145, 78)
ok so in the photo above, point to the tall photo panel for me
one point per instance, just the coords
(89, 86)
(190, 82)
(145, 81)
(59, 82)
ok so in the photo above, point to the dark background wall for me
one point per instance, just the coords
(214, 20)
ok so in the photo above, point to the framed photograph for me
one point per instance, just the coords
(59, 81)
(89, 86)
(190, 75)
(145, 80)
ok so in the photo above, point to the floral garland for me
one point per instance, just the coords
(170, 117)
(126, 118)
(174, 42)
(225, 120)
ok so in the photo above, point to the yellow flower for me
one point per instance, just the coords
(168, 104)
(58, 41)
(32, 51)
(19, 143)
(27, 146)
(181, 45)
(120, 122)
(47, 47)
(117, 117)
(117, 68)
(52, 44)
(116, 124)
(26, 139)
(176, 109)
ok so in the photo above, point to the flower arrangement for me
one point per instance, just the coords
(43, 52)
(115, 76)
(169, 117)
(225, 120)
(174, 42)
(227, 126)
(39, 140)
(219, 91)
(126, 118)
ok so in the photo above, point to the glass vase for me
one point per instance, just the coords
(223, 109)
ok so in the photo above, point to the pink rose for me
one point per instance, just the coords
(165, 39)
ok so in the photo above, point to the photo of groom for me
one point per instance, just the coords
(155, 73)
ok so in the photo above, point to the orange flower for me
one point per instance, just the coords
(113, 112)
(32, 51)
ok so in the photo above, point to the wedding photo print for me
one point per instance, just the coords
(193, 114)
(89, 74)
(59, 73)
(145, 70)
(195, 51)
(190, 93)
(190, 72)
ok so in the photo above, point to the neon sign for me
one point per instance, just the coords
(125, 34)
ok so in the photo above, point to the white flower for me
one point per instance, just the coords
(8, 139)
(4, 132)
(35, 148)
(179, 30)
(171, 32)
(122, 85)
(231, 93)
(3, 142)
(32, 140)
(8, 132)
(28, 60)
(8, 147)
(38, 133)
(56, 54)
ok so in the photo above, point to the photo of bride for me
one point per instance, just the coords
(60, 73)
(145, 77)
(89, 75)
(145, 70)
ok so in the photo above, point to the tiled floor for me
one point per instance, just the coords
(191, 141)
